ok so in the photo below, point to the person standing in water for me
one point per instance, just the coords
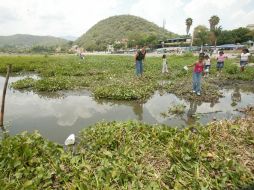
(139, 61)
(197, 74)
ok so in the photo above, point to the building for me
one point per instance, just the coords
(250, 26)
(230, 46)
(179, 40)
(176, 42)
(110, 48)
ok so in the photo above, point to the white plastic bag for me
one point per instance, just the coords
(70, 140)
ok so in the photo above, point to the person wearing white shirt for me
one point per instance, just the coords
(207, 62)
(164, 64)
(244, 58)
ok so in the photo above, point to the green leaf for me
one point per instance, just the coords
(27, 183)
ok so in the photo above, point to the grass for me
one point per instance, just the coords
(113, 77)
(133, 155)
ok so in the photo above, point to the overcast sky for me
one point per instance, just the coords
(75, 17)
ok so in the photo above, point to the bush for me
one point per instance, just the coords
(233, 69)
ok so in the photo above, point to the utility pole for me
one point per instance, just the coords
(164, 24)
(164, 31)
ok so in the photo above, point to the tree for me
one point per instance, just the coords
(188, 24)
(251, 34)
(151, 41)
(226, 37)
(214, 34)
(42, 49)
(201, 35)
(238, 35)
(215, 31)
(119, 46)
(214, 21)
(242, 35)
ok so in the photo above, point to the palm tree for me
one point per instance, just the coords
(214, 21)
(215, 34)
(188, 24)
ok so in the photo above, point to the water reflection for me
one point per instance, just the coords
(191, 112)
(138, 110)
(136, 106)
(236, 95)
(56, 115)
(192, 109)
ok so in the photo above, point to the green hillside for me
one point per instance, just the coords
(28, 41)
(131, 29)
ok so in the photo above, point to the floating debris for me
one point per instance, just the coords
(70, 140)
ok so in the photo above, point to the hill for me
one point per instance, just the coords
(130, 29)
(28, 41)
(69, 38)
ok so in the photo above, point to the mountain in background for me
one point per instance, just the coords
(69, 38)
(28, 41)
(128, 29)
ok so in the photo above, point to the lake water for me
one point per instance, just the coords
(56, 115)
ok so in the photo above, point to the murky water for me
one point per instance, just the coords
(56, 115)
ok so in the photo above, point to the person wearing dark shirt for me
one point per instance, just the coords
(139, 61)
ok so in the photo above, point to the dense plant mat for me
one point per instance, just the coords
(113, 77)
(132, 155)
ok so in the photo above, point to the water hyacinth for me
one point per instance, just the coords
(113, 77)
(132, 155)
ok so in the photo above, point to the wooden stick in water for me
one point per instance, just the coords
(3, 98)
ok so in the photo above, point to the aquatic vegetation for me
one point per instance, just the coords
(113, 77)
(233, 103)
(132, 155)
(135, 89)
(183, 89)
(29, 162)
(24, 83)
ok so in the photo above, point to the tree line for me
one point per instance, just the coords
(215, 35)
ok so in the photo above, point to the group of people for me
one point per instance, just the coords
(139, 60)
(200, 67)
(204, 64)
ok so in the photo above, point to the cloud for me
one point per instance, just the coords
(156, 11)
(176, 12)
(201, 11)
(65, 17)
(7, 15)
(53, 17)
(68, 17)
(247, 18)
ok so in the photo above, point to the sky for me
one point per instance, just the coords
(75, 17)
